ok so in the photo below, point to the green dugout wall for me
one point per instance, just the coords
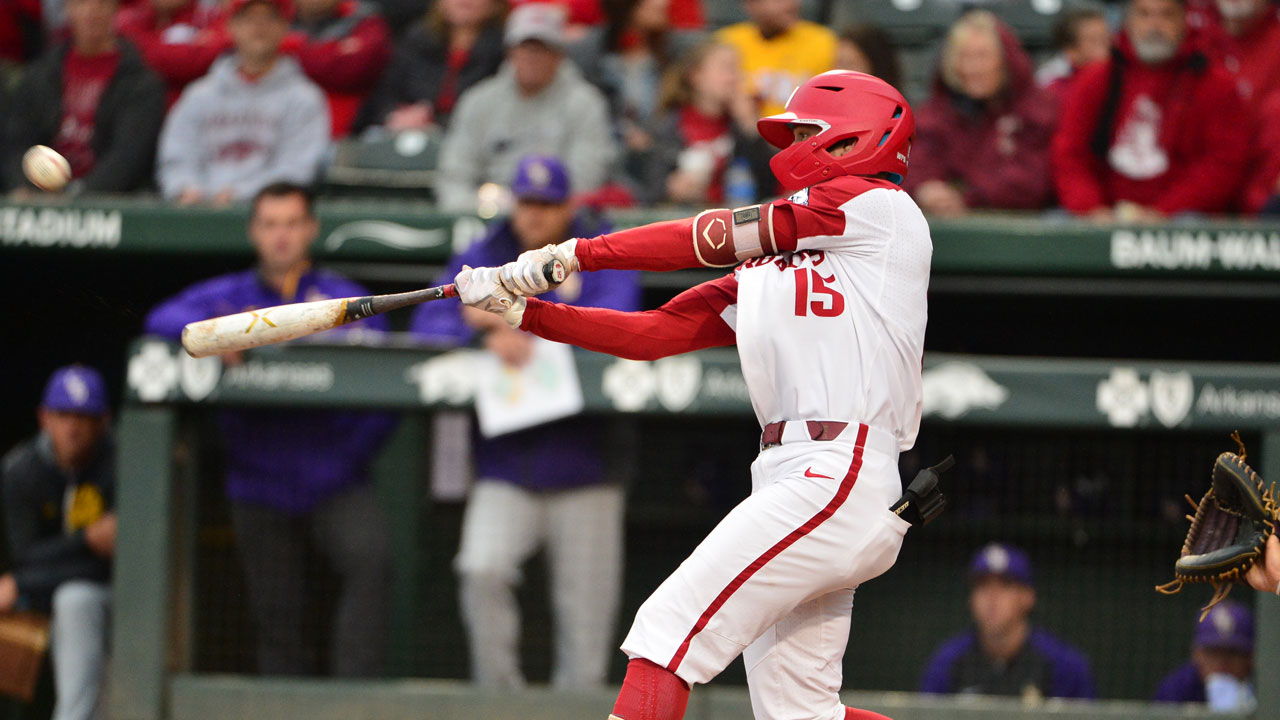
(152, 675)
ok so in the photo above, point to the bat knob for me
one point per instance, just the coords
(555, 272)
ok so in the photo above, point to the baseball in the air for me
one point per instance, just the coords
(46, 169)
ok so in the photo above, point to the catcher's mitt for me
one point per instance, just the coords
(1229, 530)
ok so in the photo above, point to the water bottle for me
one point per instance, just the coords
(739, 184)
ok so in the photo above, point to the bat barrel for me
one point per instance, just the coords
(255, 328)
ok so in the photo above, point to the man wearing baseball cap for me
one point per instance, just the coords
(1221, 666)
(555, 471)
(59, 495)
(538, 102)
(1004, 654)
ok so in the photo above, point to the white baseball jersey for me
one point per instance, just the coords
(835, 329)
(828, 312)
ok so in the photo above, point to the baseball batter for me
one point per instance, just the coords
(827, 307)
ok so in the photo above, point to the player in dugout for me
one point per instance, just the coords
(1004, 653)
(307, 492)
(826, 303)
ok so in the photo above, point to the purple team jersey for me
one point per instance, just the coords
(287, 460)
(1045, 665)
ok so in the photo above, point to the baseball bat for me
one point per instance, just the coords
(255, 328)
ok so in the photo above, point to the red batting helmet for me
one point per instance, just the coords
(843, 105)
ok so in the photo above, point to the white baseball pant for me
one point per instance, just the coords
(502, 527)
(774, 580)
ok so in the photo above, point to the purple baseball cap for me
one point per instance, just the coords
(1003, 560)
(542, 178)
(1228, 626)
(77, 389)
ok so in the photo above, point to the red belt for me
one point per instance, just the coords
(818, 430)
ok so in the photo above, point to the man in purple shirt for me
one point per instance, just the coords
(545, 486)
(1004, 654)
(1221, 666)
(298, 480)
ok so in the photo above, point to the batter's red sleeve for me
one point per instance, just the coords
(657, 246)
(690, 321)
(715, 238)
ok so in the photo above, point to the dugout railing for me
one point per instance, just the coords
(1116, 406)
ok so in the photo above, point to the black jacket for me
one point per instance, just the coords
(126, 124)
(418, 68)
(46, 552)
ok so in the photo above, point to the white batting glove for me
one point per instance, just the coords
(515, 314)
(479, 288)
(527, 274)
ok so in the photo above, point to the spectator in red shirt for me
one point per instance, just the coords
(1159, 129)
(342, 46)
(19, 30)
(456, 45)
(982, 139)
(1248, 44)
(705, 120)
(179, 39)
(1081, 37)
(91, 99)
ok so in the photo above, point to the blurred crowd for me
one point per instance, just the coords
(1140, 111)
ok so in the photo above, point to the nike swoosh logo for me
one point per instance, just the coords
(808, 472)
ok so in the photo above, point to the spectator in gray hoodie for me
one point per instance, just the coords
(253, 120)
(538, 103)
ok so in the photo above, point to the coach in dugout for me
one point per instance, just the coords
(1004, 654)
(298, 480)
(59, 499)
(542, 487)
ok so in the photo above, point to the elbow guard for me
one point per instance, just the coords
(722, 238)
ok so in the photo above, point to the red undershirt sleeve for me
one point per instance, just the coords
(657, 246)
(690, 321)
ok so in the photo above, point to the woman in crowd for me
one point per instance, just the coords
(982, 139)
(457, 44)
(704, 121)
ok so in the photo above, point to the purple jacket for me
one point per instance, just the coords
(557, 455)
(1181, 686)
(1052, 667)
(311, 456)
